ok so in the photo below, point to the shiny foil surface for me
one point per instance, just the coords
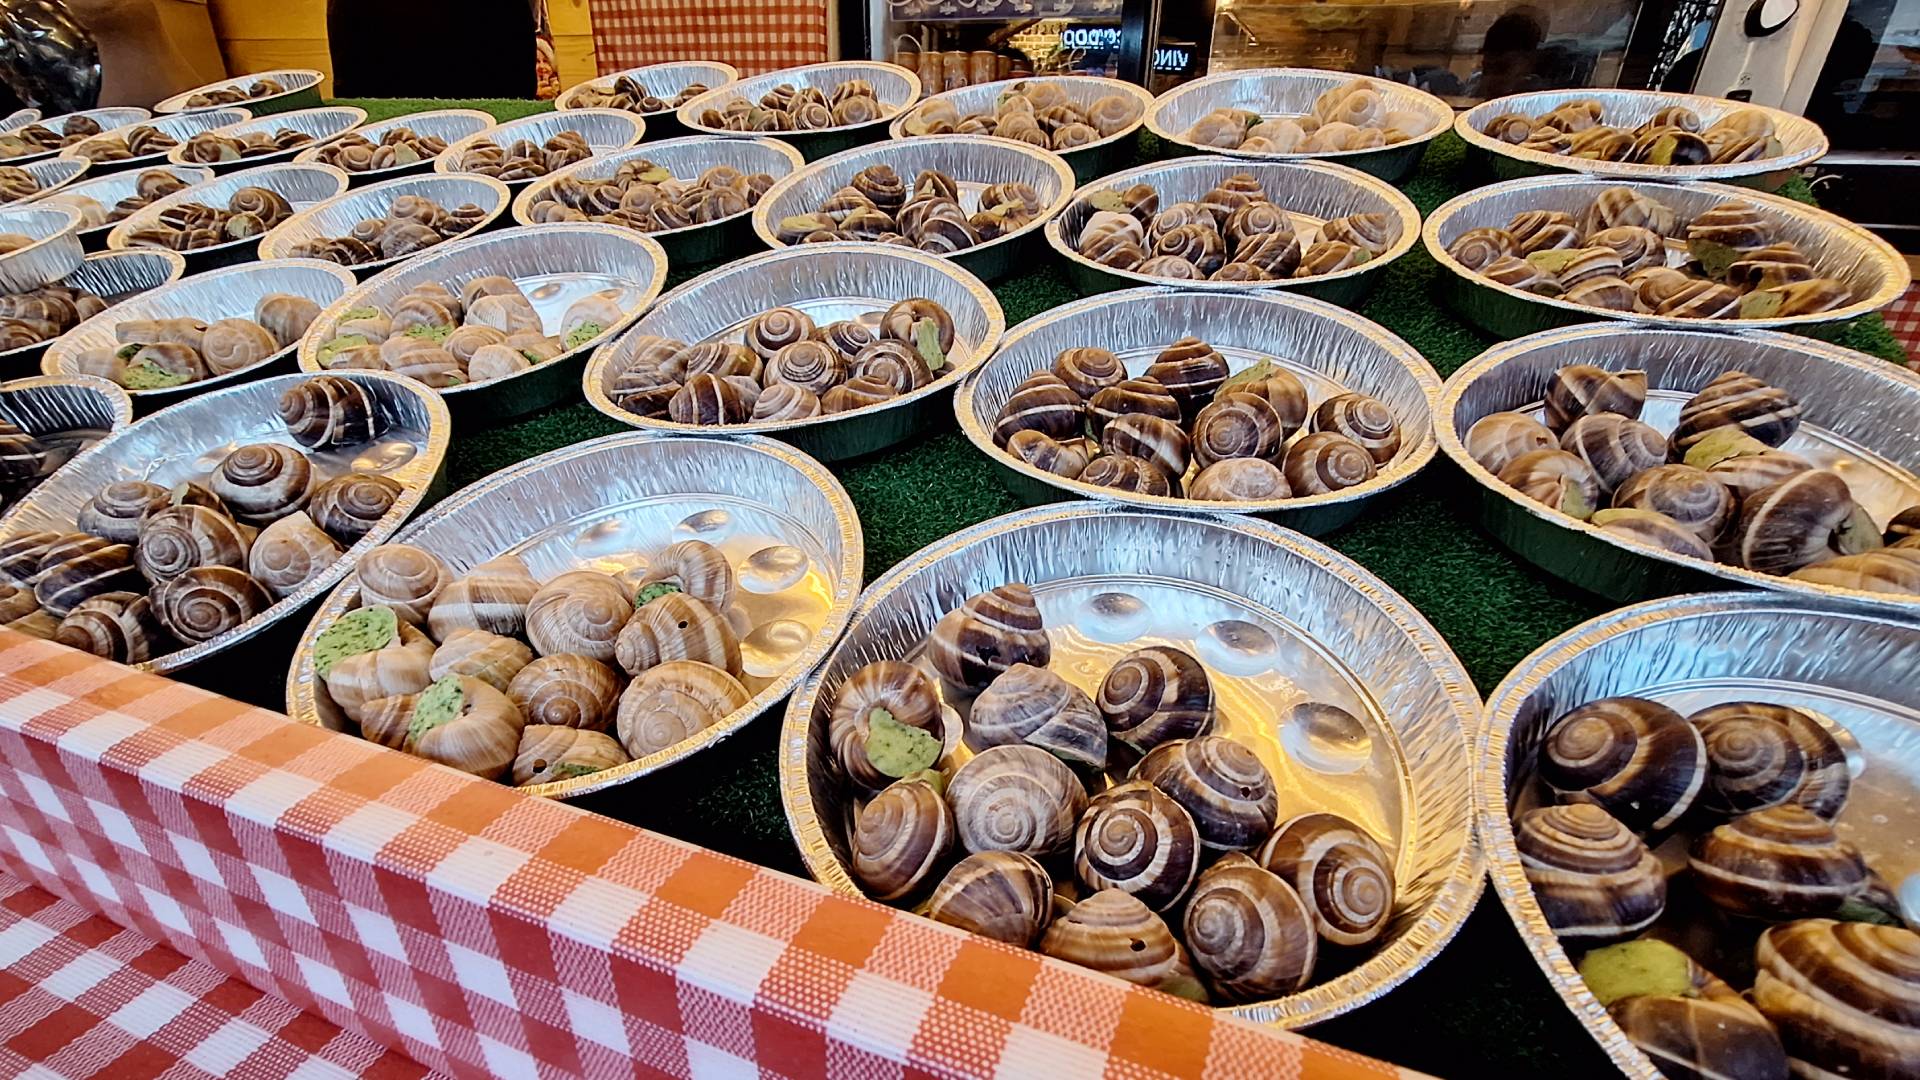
(52, 174)
(611, 505)
(109, 189)
(180, 127)
(323, 125)
(19, 118)
(1276, 618)
(338, 215)
(663, 81)
(1095, 158)
(301, 185)
(303, 91)
(189, 440)
(54, 253)
(605, 130)
(894, 87)
(50, 404)
(450, 125)
(113, 276)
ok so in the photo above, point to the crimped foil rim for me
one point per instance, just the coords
(353, 115)
(506, 131)
(1437, 110)
(1457, 385)
(310, 344)
(302, 707)
(1409, 219)
(1041, 159)
(176, 125)
(280, 236)
(375, 130)
(79, 186)
(113, 112)
(60, 352)
(19, 118)
(68, 233)
(975, 425)
(897, 129)
(1895, 277)
(432, 455)
(75, 168)
(1490, 794)
(1467, 126)
(299, 80)
(117, 238)
(1454, 898)
(604, 357)
(112, 393)
(728, 73)
(176, 266)
(753, 86)
(523, 202)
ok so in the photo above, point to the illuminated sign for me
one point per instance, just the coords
(1101, 39)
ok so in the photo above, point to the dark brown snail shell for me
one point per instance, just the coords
(1016, 798)
(1717, 1034)
(1088, 370)
(1886, 570)
(1690, 496)
(1132, 396)
(1783, 862)
(1653, 529)
(263, 482)
(348, 506)
(1135, 838)
(711, 399)
(902, 691)
(1579, 389)
(117, 626)
(1044, 452)
(1761, 755)
(1032, 705)
(1496, 439)
(1249, 931)
(1237, 426)
(1042, 403)
(328, 411)
(1326, 461)
(80, 568)
(987, 634)
(1191, 370)
(1736, 399)
(1221, 783)
(1637, 759)
(207, 601)
(1363, 419)
(1614, 447)
(1003, 895)
(1802, 519)
(1594, 879)
(1156, 695)
(1150, 438)
(899, 837)
(1476, 248)
(115, 513)
(1123, 472)
(1556, 479)
(1842, 995)
(1342, 874)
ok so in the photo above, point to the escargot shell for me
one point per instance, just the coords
(81, 567)
(1068, 459)
(1237, 426)
(492, 659)
(1088, 370)
(676, 627)
(1016, 798)
(696, 568)
(1221, 783)
(1115, 933)
(1042, 403)
(899, 837)
(1032, 705)
(1614, 447)
(1156, 441)
(1135, 838)
(466, 724)
(348, 506)
(397, 668)
(1800, 520)
(565, 690)
(1341, 873)
(1888, 570)
(1191, 370)
(1842, 995)
(327, 411)
(1689, 496)
(207, 601)
(115, 513)
(1496, 439)
(263, 482)
(1761, 755)
(1002, 895)
(1714, 1034)
(1251, 934)
(1365, 420)
(289, 553)
(1736, 399)
(492, 597)
(1155, 695)
(551, 752)
(403, 577)
(581, 612)
(901, 691)
(1580, 389)
(118, 626)
(1593, 879)
(673, 702)
(180, 538)
(1639, 760)
(1784, 862)
(1557, 479)
(987, 634)
(1240, 480)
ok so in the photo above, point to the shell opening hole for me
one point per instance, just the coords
(1136, 945)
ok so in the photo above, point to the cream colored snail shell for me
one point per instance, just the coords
(581, 612)
(1893, 570)
(1154, 695)
(1843, 996)
(400, 667)
(1002, 895)
(1221, 783)
(674, 702)
(1115, 933)
(699, 569)
(1637, 759)
(291, 552)
(899, 837)
(492, 659)
(1249, 932)
(1496, 439)
(482, 738)
(1760, 755)
(492, 597)
(403, 577)
(1594, 880)
(550, 752)
(1341, 873)
(1016, 798)
(566, 690)
(903, 691)
(1783, 862)
(1032, 705)
(675, 626)
(987, 634)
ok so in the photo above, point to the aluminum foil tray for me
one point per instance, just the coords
(1096, 158)
(181, 127)
(450, 125)
(301, 185)
(113, 276)
(606, 130)
(338, 215)
(303, 91)
(894, 87)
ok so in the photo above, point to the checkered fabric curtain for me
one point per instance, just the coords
(752, 35)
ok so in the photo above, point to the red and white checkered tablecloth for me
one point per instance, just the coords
(1903, 318)
(752, 35)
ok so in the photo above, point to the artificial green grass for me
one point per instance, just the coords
(1481, 1008)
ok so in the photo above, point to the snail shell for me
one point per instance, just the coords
(772, 330)
(899, 837)
(1364, 420)
(1653, 529)
(1743, 474)
(117, 626)
(1800, 520)
(1132, 396)
(1016, 798)
(1237, 426)
(1326, 461)
(1114, 933)
(114, 514)
(1496, 439)
(1068, 459)
(785, 401)
(698, 569)
(1124, 472)
(1250, 932)
(710, 399)
(492, 597)
(492, 659)
(580, 612)
(1221, 783)
(1002, 895)
(207, 601)
(1042, 403)
(289, 553)
(674, 702)
(1149, 438)
(179, 538)
(263, 482)
(1736, 399)
(1135, 838)
(1341, 873)
(399, 667)
(565, 690)
(1476, 248)
(1592, 877)
(1240, 480)
(987, 634)
(1843, 997)
(403, 577)
(548, 753)
(1614, 447)
(1088, 370)
(1556, 479)
(810, 365)
(80, 568)
(482, 734)
(1581, 389)
(676, 627)
(1155, 695)
(1690, 496)
(1716, 1034)
(1761, 755)
(1784, 862)
(900, 690)
(1888, 570)
(1191, 370)
(347, 507)
(1637, 759)
(1032, 705)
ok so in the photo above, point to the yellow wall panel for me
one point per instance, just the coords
(569, 17)
(574, 54)
(255, 19)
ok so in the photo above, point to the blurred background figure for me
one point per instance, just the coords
(481, 48)
(48, 60)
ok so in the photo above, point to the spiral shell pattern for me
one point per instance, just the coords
(1736, 399)
(566, 690)
(1112, 932)
(1002, 895)
(1363, 419)
(1191, 370)
(492, 597)
(1476, 249)
(1637, 759)
(1249, 931)
(987, 634)
(348, 506)
(1496, 439)
(1043, 403)
(675, 627)
(1342, 875)
(492, 659)
(1135, 838)
(1034, 706)
(1761, 755)
(699, 569)
(1784, 862)
(207, 601)
(903, 691)
(1237, 426)
(289, 553)
(1615, 447)
(1156, 695)
(1845, 996)
(673, 702)
(180, 538)
(580, 612)
(1016, 798)
(1326, 461)
(1579, 389)
(262, 482)
(1688, 495)
(1087, 370)
(1221, 783)
(899, 837)
(403, 577)
(1239, 480)
(810, 365)
(115, 513)
(1592, 877)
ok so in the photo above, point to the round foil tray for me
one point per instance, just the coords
(52, 174)
(450, 125)
(324, 125)
(894, 87)
(1868, 265)
(829, 282)
(109, 119)
(1272, 92)
(974, 162)
(605, 505)
(55, 252)
(606, 130)
(1313, 192)
(180, 127)
(1095, 158)
(19, 118)
(43, 405)
(1846, 665)
(113, 276)
(554, 265)
(702, 242)
(338, 215)
(301, 185)
(186, 441)
(108, 190)
(302, 91)
(1332, 350)
(228, 293)
(1801, 140)
(662, 81)
(1847, 398)
(1333, 633)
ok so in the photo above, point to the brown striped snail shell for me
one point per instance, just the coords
(399, 667)
(1221, 783)
(674, 702)
(1042, 403)
(1736, 399)
(289, 553)
(1326, 461)
(855, 394)
(403, 577)
(899, 837)
(710, 399)
(902, 691)
(1088, 370)
(1653, 529)
(16, 602)
(891, 363)
(492, 597)
(1043, 452)
(987, 634)
(1784, 862)
(481, 736)
(1373, 232)
(329, 411)
(1842, 995)
(1802, 519)
(1364, 420)
(1556, 479)
(1135, 838)
(1124, 472)
(1150, 438)
(263, 482)
(1341, 873)
(1761, 755)
(117, 626)
(1714, 1034)
(1032, 705)
(810, 365)
(1581, 389)
(1733, 223)
(898, 322)
(1543, 230)
(1893, 570)
(492, 659)
(1156, 695)
(1191, 370)
(581, 611)
(1002, 895)
(550, 752)
(1016, 798)
(566, 690)
(114, 513)
(772, 330)
(675, 626)
(698, 569)
(207, 601)
(1250, 933)
(1114, 933)
(1636, 246)
(1745, 473)
(1903, 525)
(1282, 389)
(1237, 426)
(1239, 480)
(1496, 439)
(348, 506)
(785, 401)
(1689, 496)
(74, 571)
(1476, 248)
(1132, 396)
(1614, 447)
(1592, 877)
(1637, 759)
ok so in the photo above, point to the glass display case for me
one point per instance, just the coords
(954, 43)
